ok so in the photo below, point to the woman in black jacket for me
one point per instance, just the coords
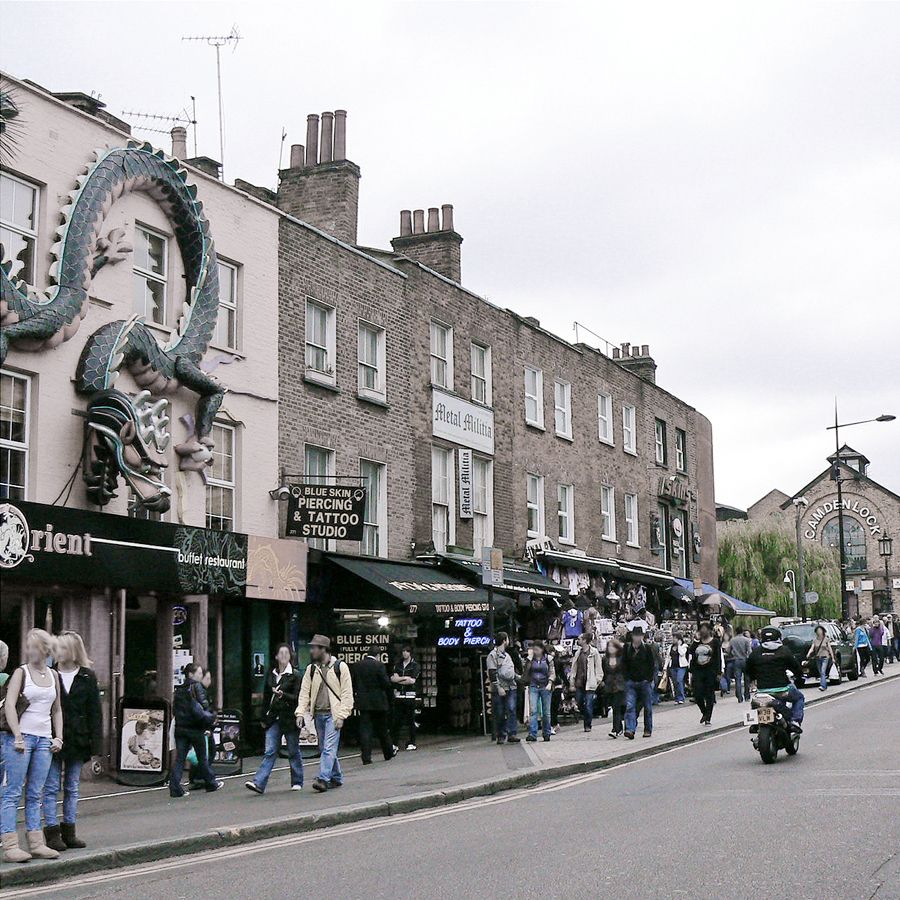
(705, 655)
(83, 728)
(191, 722)
(280, 699)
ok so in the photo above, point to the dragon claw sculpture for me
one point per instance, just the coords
(123, 433)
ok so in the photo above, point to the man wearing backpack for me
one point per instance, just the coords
(326, 694)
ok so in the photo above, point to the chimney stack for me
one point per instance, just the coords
(327, 151)
(179, 142)
(321, 187)
(636, 359)
(438, 247)
(312, 139)
(340, 134)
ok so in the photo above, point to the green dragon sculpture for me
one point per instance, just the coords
(125, 436)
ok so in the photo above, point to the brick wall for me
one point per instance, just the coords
(326, 196)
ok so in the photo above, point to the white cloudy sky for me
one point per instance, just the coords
(718, 180)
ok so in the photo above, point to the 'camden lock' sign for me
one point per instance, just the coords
(857, 507)
(330, 511)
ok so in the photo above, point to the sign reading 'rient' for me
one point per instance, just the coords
(462, 422)
(329, 511)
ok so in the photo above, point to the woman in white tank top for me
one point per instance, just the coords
(36, 734)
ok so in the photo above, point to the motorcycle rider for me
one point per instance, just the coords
(768, 666)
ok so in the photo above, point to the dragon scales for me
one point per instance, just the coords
(125, 436)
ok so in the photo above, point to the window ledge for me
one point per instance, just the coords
(567, 542)
(320, 381)
(375, 401)
(222, 348)
(607, 442)
(630, 452)
(565, 437)
(609, 540)
(535, 426)
(629, 544)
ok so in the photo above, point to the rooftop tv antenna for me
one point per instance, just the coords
(183, 118)
(219, 41)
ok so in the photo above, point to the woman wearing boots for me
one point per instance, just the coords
(83, 727)
(35, 733)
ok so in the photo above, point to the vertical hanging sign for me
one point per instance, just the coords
(464, 458)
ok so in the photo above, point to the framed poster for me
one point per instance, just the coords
(143, 741)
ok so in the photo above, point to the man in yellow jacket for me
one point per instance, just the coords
(326, 696)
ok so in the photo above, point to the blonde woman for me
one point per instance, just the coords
(83, 726)
(36, 734)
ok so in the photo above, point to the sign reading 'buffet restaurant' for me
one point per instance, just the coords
(462, 422)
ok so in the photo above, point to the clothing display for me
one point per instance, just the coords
(573, 622)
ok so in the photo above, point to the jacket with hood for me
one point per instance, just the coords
(769, 664)
(594, 670)
(338, 686)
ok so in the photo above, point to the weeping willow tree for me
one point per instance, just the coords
(754, 556)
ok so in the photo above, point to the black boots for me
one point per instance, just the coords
(70, 839)
(53, 839)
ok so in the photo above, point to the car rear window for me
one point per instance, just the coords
(801, 632)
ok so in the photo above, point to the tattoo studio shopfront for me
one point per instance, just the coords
(148, 597)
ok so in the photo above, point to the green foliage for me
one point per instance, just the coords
(754, 556)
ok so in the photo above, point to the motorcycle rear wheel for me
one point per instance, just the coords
(768, 749)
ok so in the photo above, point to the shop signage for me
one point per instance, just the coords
(672, 489)
(492, 567)
(57, 544)
(353, 647)
(329, 511)
(464, 459)
(465, 633)
(810, 597)
(462, 422)
(276, 569)
(831, 506)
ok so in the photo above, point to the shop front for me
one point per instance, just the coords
(387, 604)
(148, 598)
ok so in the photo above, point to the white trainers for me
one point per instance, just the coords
(411, 747)
(296, 787)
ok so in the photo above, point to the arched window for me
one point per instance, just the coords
(854, 542)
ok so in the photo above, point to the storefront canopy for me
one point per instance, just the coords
(626, 571)
(422, 588)
(738, 607)
(518, 578)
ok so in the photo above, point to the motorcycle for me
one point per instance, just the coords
(770, 727)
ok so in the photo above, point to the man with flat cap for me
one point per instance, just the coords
(326, 694)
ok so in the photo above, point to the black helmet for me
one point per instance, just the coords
(769, 633)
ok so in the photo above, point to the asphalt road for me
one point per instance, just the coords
(707, 820)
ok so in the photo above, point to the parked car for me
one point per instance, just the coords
(799, 638)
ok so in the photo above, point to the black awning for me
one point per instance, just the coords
(622, 569)
(423, 589)
(517, 578)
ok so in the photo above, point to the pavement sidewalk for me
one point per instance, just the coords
(124, 826)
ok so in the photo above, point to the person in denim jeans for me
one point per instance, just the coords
(4, 659)
(282, 690)
(539, 675)
(326, 694)
(503, 677)
(741, 647)
(585, 677)
(28, 747)
(637, 666)
(678, 663)
(823, 653)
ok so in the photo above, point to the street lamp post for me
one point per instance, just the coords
(886, 549)
(801, 503)
(791, 579)
(836, 475)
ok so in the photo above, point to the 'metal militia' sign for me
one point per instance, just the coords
(330, 511)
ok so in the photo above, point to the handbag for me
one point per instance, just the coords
(21, 705)
(664, 681)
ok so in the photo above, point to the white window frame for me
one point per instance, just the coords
(227, 305)
(449, 502)
(562, 408)
(629, 429)
(534, 500)
(157, 278)
(484, 378)
(565, 505)
(537, 421)
(327, 478)
(221, 483)
(483, 518)
(660, 441)
(436, 359)
(10, 446)
(27, 234)
(632, 535)
(608, 512)
(605, 419)
(379, 392)
(329, 375)
(379, 521)
(680, 450)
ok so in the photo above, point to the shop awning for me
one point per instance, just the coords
(422, 588)
(620, 568)
(738, 607)
(518, 578)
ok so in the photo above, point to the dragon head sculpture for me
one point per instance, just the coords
(126, 436)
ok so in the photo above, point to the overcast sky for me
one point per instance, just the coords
(720, 181)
